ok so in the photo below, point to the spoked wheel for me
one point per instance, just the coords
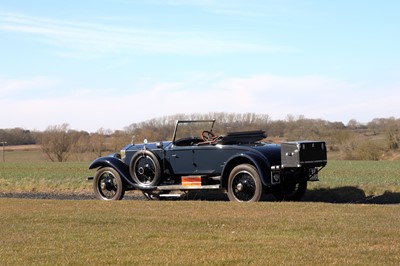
(107, 184)
(244, 184)
(290, 192)
(145, 168)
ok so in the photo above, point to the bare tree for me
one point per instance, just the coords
(98, 141)
(57, 142)
(392, 132)
(119, 139)
(17, 136)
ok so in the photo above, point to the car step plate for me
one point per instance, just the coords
(175, 196)
(179, 187)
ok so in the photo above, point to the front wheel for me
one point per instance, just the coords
(107, 184)
(244, 184)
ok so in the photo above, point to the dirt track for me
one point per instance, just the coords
(386, 198)
(62, 196)
(42, 195)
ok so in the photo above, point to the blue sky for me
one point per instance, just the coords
(109, 63)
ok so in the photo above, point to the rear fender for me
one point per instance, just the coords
(119, 166)
(258, 160)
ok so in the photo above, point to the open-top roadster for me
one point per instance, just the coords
(198, 159)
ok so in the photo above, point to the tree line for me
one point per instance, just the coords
(375, 140)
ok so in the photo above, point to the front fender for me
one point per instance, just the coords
(119, 166)
(258, 160)
(111, 160)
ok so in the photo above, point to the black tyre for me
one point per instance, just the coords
(145, 168)
(107, 184)
(244, 184)
(290, 192)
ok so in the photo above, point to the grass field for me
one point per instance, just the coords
(54, 232)
(340, 181)
(68, 177)
(355, 181)
(138, 232)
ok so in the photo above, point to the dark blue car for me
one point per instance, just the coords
(197, 159)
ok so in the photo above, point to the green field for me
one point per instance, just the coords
(358, 181)
(340, 181)
(187, 232)
(68, 177)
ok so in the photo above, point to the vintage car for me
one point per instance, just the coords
(237, 163)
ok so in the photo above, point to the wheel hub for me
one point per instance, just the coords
(239, 187)
(244, 186)
(141, 170)
(145, 170)
(107, 184)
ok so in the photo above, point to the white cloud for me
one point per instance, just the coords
(89, 39)
(229, 7)
(277, 96)
(13, 87)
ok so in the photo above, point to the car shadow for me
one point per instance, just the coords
(349, 194)
(339, 195)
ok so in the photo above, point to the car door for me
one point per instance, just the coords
(199, 160)
(211, 159)
(181, 160)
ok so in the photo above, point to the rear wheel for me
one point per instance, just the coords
(290, 192)
(244, 184)
(107, 184)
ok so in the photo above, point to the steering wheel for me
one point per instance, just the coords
(208, 135)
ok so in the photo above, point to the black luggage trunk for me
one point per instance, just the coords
(303, 154)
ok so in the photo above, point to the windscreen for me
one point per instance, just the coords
(192, 129)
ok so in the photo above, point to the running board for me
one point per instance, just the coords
(180, 187)
(174, 196)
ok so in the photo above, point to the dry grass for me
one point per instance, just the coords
(48, 232)
(57, 232)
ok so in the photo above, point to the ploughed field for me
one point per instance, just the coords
(63, 225)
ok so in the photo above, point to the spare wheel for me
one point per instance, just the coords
(145, 168)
